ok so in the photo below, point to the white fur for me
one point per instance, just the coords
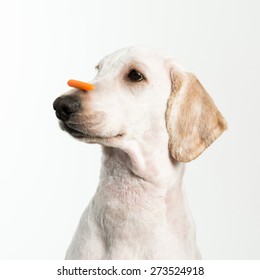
(139, 210)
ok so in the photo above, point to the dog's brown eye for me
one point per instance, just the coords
(135, 76)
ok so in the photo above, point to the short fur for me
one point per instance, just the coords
(146, 130)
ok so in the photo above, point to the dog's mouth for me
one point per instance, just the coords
(71, 130)
(78, 133)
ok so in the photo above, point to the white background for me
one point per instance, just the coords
(47, 178)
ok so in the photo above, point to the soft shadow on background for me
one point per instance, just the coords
(47, 178)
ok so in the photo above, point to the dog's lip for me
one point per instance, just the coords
(79, 134)
(71, 130)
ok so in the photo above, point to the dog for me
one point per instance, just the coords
(150, 117)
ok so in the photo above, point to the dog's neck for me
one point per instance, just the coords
(141, 165)
(150, 184)
(154, 178)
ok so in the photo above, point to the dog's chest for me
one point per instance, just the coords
(134, 224)
(130, 223)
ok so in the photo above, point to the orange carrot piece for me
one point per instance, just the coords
(80, 85)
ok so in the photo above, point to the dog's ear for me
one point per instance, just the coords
(192, 119)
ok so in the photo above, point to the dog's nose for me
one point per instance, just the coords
(65, 106)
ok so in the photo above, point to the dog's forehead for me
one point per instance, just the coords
(137, 54)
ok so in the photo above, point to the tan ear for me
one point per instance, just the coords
(192, 119)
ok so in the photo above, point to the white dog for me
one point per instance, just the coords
(150, 116)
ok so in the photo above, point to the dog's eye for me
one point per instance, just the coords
(135, 76)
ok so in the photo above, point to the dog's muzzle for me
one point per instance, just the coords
(66, 106)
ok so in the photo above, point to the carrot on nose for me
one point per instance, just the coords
(80, 85)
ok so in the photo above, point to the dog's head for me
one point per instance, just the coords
(141, 96)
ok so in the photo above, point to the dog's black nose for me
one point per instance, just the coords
(65, 106)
